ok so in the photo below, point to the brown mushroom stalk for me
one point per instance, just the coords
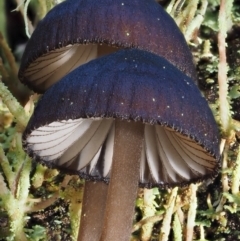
(93, 208)
(123, 185)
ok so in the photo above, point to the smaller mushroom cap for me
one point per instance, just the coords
(73, 32)
(73, 124)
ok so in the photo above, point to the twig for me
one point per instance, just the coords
(174, 7)
(3, 70)
(144, 221)
(24, 181)
(165, 229)
(236, 175)
(177, 228)
(225, 115)
(14, 107)
(183, 20)
(148, 210)
(202, 234)
(74, 194)
(25, 17)
(9, 55)
(191, 212)
(23, 9)
(236, 125)
(3, 186)
(43, 8)
(224, 178)
(196, 22)
(42, 204)
(9, 174)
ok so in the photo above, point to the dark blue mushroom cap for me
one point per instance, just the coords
(53, 49)
(131, 85)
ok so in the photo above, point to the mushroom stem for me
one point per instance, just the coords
(94, 200)
(122, 191)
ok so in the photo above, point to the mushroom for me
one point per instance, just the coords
(79, 31)
(129, 125)
(75, 32)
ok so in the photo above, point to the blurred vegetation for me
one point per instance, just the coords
(37, 203)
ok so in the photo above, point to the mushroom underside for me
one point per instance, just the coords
(54, 65)
(86, 146)
(75, 128)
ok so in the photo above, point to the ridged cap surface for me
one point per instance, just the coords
(142, 24)
(131, 85)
